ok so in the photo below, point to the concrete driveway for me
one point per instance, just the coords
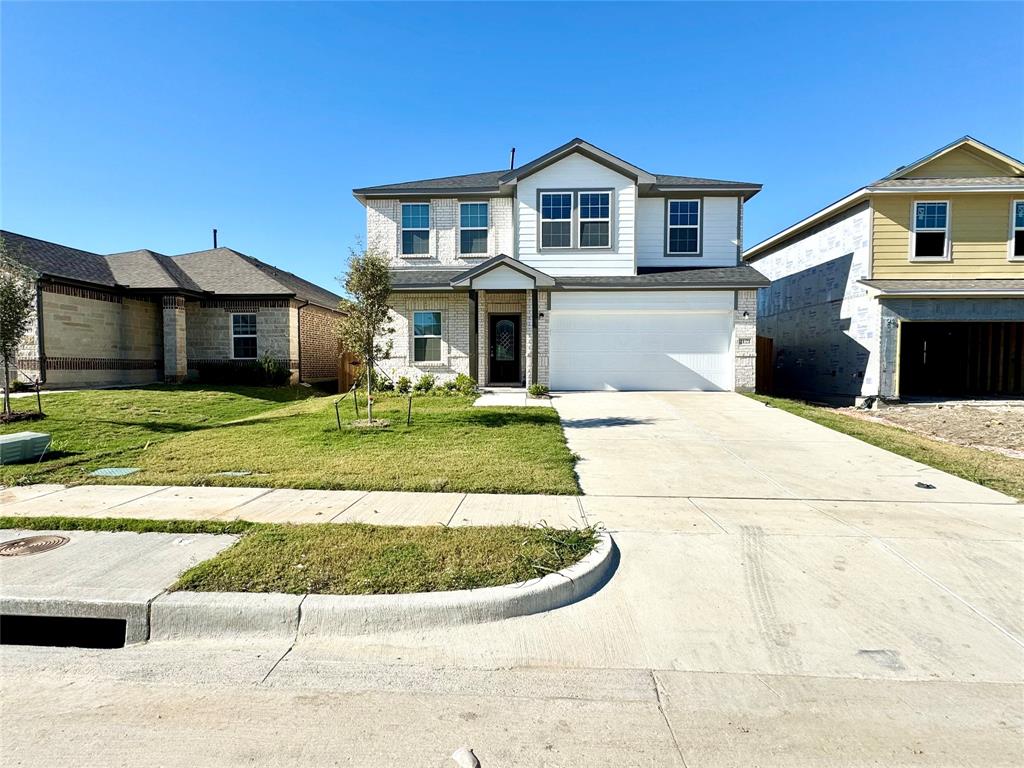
(785, 596)
(724, 445)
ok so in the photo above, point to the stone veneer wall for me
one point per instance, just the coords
(93, 337)
(455, 335)
(318, 334)
(744, 344)
(26, 356)
(208, 330)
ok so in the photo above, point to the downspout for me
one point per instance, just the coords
(298, 321)
(41, 347)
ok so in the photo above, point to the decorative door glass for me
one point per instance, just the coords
(505, 340)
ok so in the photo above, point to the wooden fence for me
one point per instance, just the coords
(765, 371)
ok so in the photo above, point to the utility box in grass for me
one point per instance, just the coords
(23, 446)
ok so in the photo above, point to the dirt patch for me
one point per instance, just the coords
(996, 427)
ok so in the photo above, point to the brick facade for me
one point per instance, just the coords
(455, 335)
(744, 335)
(318, 342)
(384, 231)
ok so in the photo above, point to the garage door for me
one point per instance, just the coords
(657, 340)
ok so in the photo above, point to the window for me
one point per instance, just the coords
(473, 228)
(1017, 237)
(556, 220)
(415, 229)
(683, 228)
(930, 239)
(243, 337)
(595, 220)
(426, 337)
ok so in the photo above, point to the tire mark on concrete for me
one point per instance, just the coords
(759, 594)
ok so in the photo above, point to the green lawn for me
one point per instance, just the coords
(993, 470)
(357, 559)
(183, 435)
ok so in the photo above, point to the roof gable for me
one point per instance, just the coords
(964, 158)
(588, 150)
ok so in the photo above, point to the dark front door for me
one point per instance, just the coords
(504, 353)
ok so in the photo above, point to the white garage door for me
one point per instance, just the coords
(656, 340)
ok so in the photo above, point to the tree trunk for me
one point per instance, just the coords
(7, 386)
(369, 378)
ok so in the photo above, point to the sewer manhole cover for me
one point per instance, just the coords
(31, 545)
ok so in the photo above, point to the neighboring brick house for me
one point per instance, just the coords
(577, 270)
(141, 317)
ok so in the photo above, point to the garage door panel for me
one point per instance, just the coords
(615, 341)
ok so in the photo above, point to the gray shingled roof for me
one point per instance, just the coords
(487, 180)
(742, 276)
(48, 258)
(974, 181)
(145, 269)
(925, 286)
(221, 271)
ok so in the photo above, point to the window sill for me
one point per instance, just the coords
(416, 256)
(429, 364)
(683, 255)
(930, 259)
(475, 256)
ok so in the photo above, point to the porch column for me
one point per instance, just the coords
(481, 338)
(175, 359)
(530, 346)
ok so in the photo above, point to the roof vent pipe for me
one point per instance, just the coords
(215, 238)
(512, 159)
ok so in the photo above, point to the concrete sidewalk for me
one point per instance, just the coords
(267, 505)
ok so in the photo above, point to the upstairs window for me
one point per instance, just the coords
(243, 337)
(1017, 240)
(683, 227)
(930, 239)
(415, 229)
(426, 337)
(556, 220)
(595, 220)
(473, 229)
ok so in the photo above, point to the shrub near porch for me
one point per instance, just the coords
(451, 446)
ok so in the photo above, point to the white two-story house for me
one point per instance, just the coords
(576, 270)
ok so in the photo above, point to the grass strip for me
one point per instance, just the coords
(992, 470)
(123, 524)
(353, 558)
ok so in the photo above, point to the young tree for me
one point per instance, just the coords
(364, 328)
(17, 299)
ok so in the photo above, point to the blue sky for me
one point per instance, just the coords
(145, 125)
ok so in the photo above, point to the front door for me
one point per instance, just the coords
(504, 353)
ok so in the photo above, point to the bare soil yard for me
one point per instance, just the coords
(997, 427)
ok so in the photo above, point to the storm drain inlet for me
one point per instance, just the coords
(32, 545)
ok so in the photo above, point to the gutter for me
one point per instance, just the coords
(40, 344)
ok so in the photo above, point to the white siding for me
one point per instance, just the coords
(824, 324)
(578, 172)
(719, 236)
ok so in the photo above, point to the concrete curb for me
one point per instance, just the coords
(327, 615)
(245, 616)
(223, 615)
(135, 613)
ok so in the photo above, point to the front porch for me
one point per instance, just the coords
(491, 325)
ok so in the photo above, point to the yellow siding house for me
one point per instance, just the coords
(912, 286)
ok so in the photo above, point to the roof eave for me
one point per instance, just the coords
(854, 198)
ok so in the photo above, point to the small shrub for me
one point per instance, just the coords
(256, 373)
(383, 385)
(275, 373)
(403, 385)
(425, 383)
(538, 390)
(465, 385)
(450, 387)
